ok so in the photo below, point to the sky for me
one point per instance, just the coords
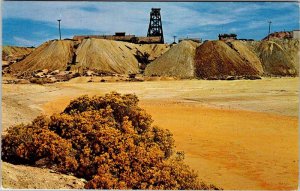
(32, 23)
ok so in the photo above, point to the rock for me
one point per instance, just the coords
(42, 162)
(55, 72)
(52, 80)
(212, 78)
(252, 77)
(131, 75)
(22, 81)
(231, 78)
(89, 73)
(45, 71)
(39, 75)
(63, 73)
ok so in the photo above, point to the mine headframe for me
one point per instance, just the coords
(155, 25)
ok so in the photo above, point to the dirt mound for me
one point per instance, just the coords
(287, 47)
(247, 55)
(217, 59)
(13, 53)
(178, 61)
(105, 55)
(51, 55)
(292, 48)
(276, 60)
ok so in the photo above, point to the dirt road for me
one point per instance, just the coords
(236, 134)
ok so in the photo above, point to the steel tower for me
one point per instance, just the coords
(155, 25)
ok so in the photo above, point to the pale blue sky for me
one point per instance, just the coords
(32, 23)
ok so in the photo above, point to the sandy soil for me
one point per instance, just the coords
(236, 134)
(26, 177)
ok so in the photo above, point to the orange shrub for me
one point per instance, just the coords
(107, 140)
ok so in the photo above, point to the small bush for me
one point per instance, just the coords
(107, 140)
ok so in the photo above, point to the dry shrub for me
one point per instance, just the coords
(107, 140)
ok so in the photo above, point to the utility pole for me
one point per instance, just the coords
(59, 28)
(174, 38)
(269, 29)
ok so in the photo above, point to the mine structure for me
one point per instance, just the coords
(230, 37)
(155, 25)
(227, 36)
(154, 36)
(198, 40)
(121, 36)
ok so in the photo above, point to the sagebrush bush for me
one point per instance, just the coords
(108, 140)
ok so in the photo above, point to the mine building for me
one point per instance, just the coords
(227, 36)
(246, 39)
(296, 34)
(154, 35)
(198, 40)
(121, 36)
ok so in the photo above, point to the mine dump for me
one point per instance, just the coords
(178, 61)
(149, 57)
(126, 111)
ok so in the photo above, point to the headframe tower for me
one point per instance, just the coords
(155, 25)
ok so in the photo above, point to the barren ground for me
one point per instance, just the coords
(236, 134)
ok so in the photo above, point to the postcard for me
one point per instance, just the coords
(150, 95)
